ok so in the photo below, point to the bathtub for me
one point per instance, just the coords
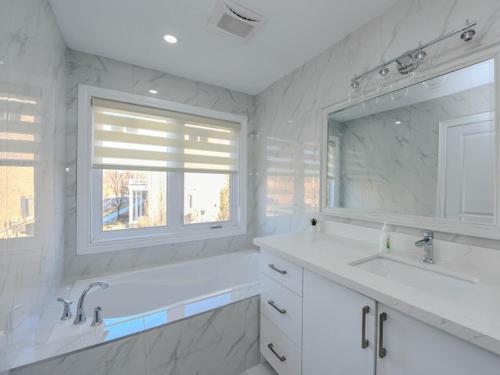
(187, 285)
(141, 300)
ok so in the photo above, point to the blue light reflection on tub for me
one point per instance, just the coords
(155, 319)
(120, 327)
(207, 304)
(124, 326)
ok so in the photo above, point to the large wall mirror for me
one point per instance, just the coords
(427, 150)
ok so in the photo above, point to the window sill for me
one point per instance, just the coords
(105, 246)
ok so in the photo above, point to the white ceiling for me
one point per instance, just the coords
(132, 31)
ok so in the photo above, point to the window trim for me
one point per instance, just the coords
(148, 237)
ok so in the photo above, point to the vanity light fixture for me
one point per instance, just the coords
(153, 91)
(397, 122)
(410, 60)
(420, 55)
(169, 38)
(468, 34)
(384, 71)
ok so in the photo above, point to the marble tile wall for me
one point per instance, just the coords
(219, 342)
(32, 66)
(101, 72)
(289, 112)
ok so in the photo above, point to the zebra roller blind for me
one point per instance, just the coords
(130, 136)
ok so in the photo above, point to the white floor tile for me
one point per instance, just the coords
(260, 369)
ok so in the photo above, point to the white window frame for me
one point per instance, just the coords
(90, 237)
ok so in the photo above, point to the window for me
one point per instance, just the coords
(133, 199)
(206, 197)
(153, 172)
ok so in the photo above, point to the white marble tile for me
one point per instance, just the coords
(223, 341)
(32, 52)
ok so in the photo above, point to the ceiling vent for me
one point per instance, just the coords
(235, 20)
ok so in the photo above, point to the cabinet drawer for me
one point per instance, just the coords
(286, 358)
(282, 307)
(283, 271)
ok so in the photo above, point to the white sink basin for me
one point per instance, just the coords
(422, 277)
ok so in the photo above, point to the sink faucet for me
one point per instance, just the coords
(428, 246)
(80, 312)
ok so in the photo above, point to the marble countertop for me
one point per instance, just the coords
(472, 316)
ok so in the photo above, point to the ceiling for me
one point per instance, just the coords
(132, 31)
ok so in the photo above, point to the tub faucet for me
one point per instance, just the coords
(428, 245)
(80, 309)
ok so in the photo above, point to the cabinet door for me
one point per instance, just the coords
(333, 319)
(415, 348)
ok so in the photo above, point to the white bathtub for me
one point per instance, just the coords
(141, 300)
(184, 283)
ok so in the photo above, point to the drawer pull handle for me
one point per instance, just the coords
(364, 341)
(273, 267)
(282, 358)
(381, 350)
(273, 305)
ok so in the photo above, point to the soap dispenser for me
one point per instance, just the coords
(384, 244)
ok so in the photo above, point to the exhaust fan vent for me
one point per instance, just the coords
(235, 20)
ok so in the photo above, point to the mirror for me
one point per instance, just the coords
(425, 150)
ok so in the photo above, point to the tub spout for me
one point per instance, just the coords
(80, 311)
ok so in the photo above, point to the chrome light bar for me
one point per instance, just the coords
(408, 61)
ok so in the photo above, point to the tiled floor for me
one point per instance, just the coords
(260, 369)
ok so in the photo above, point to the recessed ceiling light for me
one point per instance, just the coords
(290, 121)
(154, 92)
(397, 122)
(170, 38)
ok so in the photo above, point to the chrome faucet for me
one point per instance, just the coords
(66, 315)
(428, 245)
(80, 310)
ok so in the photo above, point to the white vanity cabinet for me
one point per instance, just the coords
(281, 314)
(415, 348)
(333, 341)
(311, 325)
(338, 329)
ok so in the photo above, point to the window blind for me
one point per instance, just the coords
(129, 136)
(19, 129)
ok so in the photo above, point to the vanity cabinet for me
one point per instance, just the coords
(338, 329)
(415, 348)
(334, 343)
(313, 326)
(281, 314)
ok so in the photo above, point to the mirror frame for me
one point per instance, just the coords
(451, 64)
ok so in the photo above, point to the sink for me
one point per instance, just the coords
(437, 281)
